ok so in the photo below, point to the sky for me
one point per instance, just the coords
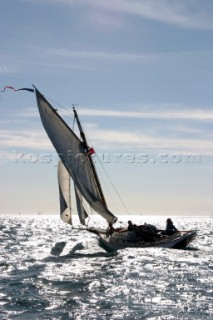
(140, 73)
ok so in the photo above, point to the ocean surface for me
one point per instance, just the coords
(50, 271)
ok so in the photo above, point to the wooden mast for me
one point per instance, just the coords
(89, 157)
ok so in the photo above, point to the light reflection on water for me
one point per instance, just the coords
(49, 271)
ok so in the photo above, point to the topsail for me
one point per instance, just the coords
(73, 155)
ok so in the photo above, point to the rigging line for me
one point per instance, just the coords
(114, 187)
(110, 182)
(65, 115)
(90, 217)
(108, 190)
(68, 112)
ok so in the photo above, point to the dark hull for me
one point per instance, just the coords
(118, 241)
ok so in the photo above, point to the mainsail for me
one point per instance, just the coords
(64, 193)
(73, 154)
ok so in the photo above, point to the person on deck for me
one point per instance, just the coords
(131, 231)
(131, 227)
(170, 228)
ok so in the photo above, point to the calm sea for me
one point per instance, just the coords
(49, 271)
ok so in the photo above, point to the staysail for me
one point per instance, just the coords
(64, 193)
(72, 152)
(80, 208)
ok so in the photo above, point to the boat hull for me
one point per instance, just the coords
(118, 241)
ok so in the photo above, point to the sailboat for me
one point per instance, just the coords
(76, 164)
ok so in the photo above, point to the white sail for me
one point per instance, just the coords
(64, 193)
(80, 208)
(72, 152)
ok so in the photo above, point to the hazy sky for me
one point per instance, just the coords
(141, 73)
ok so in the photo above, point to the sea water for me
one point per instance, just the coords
(50, 271)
